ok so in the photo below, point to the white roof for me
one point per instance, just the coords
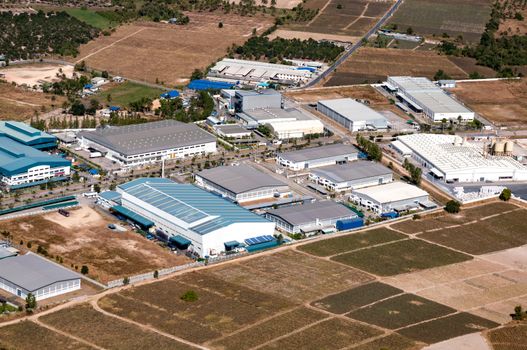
(300, 125)
(352, 110)
(392, 192)
(401, 147)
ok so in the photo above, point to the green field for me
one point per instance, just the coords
(90, 17)
(401, 257)
(123, 94)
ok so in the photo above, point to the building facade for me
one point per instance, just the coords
(353, 115)
(351, 176)
(309, 158)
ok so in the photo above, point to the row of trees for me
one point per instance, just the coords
(199, 108)
(414, 171)
(371, 148)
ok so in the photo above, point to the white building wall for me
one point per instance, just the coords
(37, 173)
(52, 290)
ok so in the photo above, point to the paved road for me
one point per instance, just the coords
(354, 47)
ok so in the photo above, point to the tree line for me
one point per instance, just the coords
(371, 148)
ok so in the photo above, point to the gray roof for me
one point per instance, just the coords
(321, 152)
(31, 272)
(351, 171)
(148, 137)
(352, 110)
(257, 92)
(310, 212)
(239, 179)
(231, 129)
(259, 114)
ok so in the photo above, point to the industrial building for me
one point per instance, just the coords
(241, 183)
(23, 166)
(252, 99)
(199, 221)
(30, 273)
(232, 131)
(422, 95)
(310, 217)
(351, 176)
(353, 115)
(452, 159)
(395, 196)
(255, 72)
(140, 144)
(309, 158)
(27, 135)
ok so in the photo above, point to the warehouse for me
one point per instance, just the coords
(232, 131)
(309, 158)
(250, 99)
(421, 93)
(353, 115)
(196, 219)
(27, 135)
(24, 274)
(453, 159)
(395, 196)
(140, 144)
(23, 166)
(350, 176)
(310, 217)
(241, 183)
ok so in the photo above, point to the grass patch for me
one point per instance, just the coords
(447, 328)
(123, 94)
(352, 299)
(401, 257)
(400, 311)
(354, 241)
(89, 17)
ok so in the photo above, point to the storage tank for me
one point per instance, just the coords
(509, 147)
(348, 224)
(499, 147)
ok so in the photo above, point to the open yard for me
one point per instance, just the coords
(370, 65)
(84, 239)
(34, 74)
(364, 92)
(148, 51)
(503, 102)
(19, 103)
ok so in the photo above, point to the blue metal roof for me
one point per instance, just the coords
(27, 135)
(190, 204)
(170, 94)
(114, 108)
(203, 84)
(16, 157)
(110, 195)
(133, 216)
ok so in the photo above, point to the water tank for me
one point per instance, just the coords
(509, 147)
(499, 147)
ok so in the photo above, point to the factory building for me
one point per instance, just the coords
(30, 273)
(353, 115)
(140, 144)
(395, 196)
(232, 131)
(241, 183)
(252, 99)
(23, 166)
(310, 217)
(351, 176)
(196, 219)
(27, 135)
(422, 95)
(452, 159)
(309, 158)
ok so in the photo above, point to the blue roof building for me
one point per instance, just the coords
(27, 135)
(203, 218)
(203, 84)
(170, 94)
(114, 108)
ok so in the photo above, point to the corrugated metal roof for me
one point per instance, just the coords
(321, 152)
(310, 212)
(351, 171)
(24, 133)
(392, 192)
(353, 110)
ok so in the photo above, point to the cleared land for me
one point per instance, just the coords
(34, 74)
(433, 18)
(124, 93)
(503, 102)
(146, 51)
(509, 337)
(400, 257)
(294, 34)
(369, 65)
(314, 95)
(18, 103)
(84, 239)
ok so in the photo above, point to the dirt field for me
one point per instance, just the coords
(508, 337)
(295, 34)
(84, 239)
(314, 95)
(280, 4)
(369, 65)
(146, 51)
(33, 74)
(502, 102)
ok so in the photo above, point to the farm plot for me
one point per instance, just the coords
(354, 298)
(502, 102)
(334, 333)
(508, 337)
(290, 274)
(108, 332)
(432, 18)
(447, 327)
(401, 257)
(372, 65)
(169, 53)
(351, 242)
(400, 311)
(84, 239)
(392, 341)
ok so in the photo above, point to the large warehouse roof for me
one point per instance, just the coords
(204, 212)
(321, 152)
(352, 110)
(351, 171)
(310, 212)
(392, 192)
(25, 134)
(32, 272)
(239, 179)
(148, 137)
(269, 114)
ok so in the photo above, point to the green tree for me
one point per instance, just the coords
(506, 194)
(31, 302)
(189, 296)
(156, 274)
(84, 270)
(126, 281)
(220, 25)
(453, 207)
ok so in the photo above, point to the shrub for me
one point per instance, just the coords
(189, 296)
(453, 207)
(505, 194)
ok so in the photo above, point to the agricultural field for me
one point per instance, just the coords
(432, 18)
(84, 239)
(148, 51)
(503, 102)
(125, 93)
(508, 337)
(372, 65)
(393, 341)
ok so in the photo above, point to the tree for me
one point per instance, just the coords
(519, 314)
(196, 74)
(84, 270)
(97, 188)
(220, 25)
(506, 194)
(77, 108)
(441, 75)
(156, 274)
(453, 207)
(105, 74)
(31, 301)
(126, 281)
(409, 31)
(189, 296)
